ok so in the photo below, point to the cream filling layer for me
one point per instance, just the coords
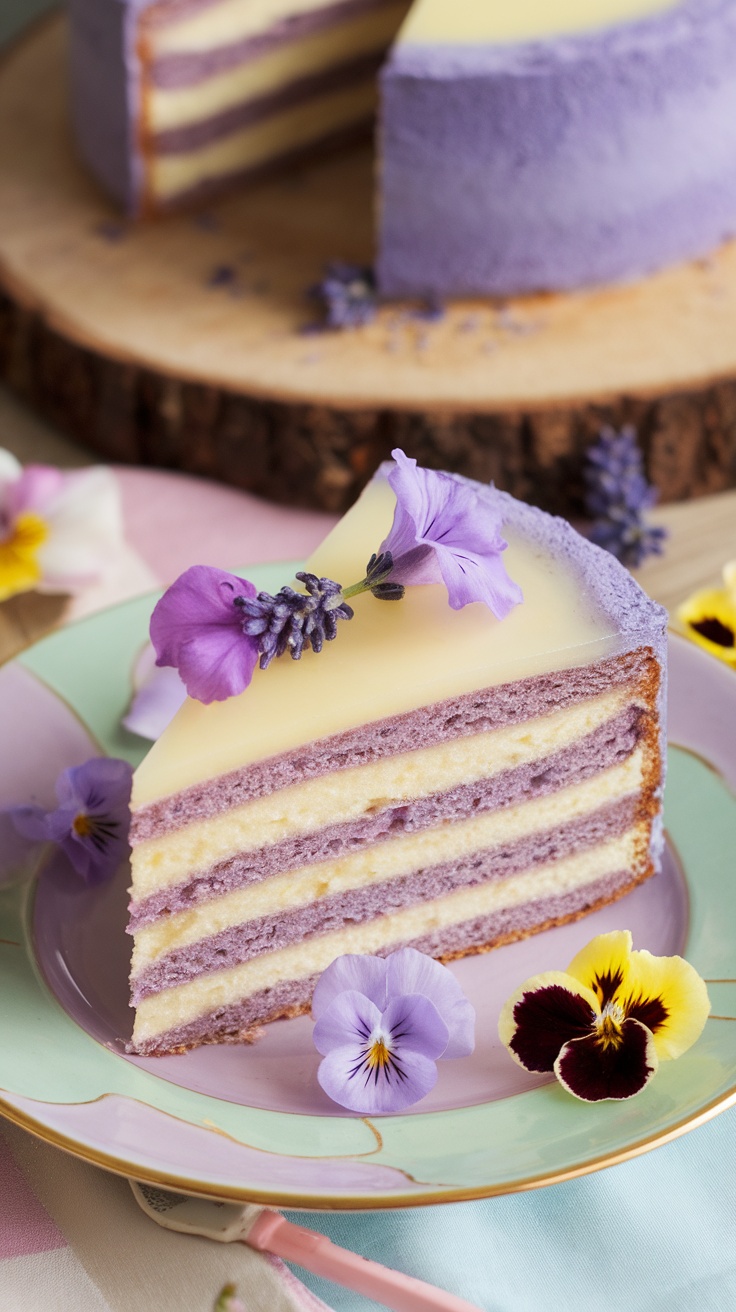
(172, 175)
(180, 1006)
(273, 70)
(385, 861)
(222, 24)
(348, 794)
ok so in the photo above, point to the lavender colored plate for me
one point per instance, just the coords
(251, 1121)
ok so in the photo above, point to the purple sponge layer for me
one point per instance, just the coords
(605, 747)
(477, 712)
(333, 912)
(235, 1023)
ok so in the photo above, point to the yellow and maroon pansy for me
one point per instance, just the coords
(708, 617)
(603, 1025)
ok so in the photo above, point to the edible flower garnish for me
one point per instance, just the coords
(381, 1026)
(158, 692)
(58, 530)
(709, 617)
(90, 824)
(214, 629)
(446, 530)
(605, 1023)
(617, 496)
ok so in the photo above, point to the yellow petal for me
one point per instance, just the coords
(676, 984)
(713, 611)
(604, 964)
(20, 569)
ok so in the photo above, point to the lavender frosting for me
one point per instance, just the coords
(555, 164)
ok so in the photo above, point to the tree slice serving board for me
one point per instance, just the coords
(182, 342)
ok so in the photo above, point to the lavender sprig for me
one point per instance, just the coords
(617, 496)
(295, 621)
(292, 621)
(347, 295)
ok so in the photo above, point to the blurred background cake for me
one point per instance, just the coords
(521, 147)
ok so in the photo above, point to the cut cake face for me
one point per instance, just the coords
(433, 777)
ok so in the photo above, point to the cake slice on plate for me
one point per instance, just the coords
(435, 777)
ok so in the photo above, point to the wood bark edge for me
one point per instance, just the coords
(320, 456)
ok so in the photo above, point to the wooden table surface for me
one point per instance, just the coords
(702, 532)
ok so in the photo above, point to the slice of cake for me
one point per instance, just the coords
(174, 98)
(435, 778)
(534, 145)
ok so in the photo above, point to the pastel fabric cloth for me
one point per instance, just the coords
(656, 1234)
(73, 1239)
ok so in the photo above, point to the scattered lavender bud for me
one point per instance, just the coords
(224, 275)
(347, 295)
(111, 231)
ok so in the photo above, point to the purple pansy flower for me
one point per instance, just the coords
(382, 1024)
(198, 628)
(446, 531)
(90, 824)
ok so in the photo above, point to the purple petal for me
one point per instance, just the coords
(196, 628)
(410, 972)
(360, 1091)
(30, 822)
(95, 864)
(594, 1071)
(101, 785)
(18, 854)
(459, 529)
(349, 1020)
(100, 791)
(362, 974)
(547, 1018)
(159, 696)
(415, 1025)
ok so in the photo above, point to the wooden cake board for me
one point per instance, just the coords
(182, 342)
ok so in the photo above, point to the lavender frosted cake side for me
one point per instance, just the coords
(436, 778)
(519, 166)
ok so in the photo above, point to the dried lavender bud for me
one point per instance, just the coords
(294, 621)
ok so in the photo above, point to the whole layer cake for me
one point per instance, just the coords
(435, 778)
(526, 146)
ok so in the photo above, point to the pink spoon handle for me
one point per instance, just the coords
(323, 1258)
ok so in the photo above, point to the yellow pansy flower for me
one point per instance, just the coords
(605, 1023)
(708, 617)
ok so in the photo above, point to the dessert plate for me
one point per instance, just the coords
(250, 1122)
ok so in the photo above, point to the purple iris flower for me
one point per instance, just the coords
(197, 627)
(447, 530)
(381, 1026)
(90, 824)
